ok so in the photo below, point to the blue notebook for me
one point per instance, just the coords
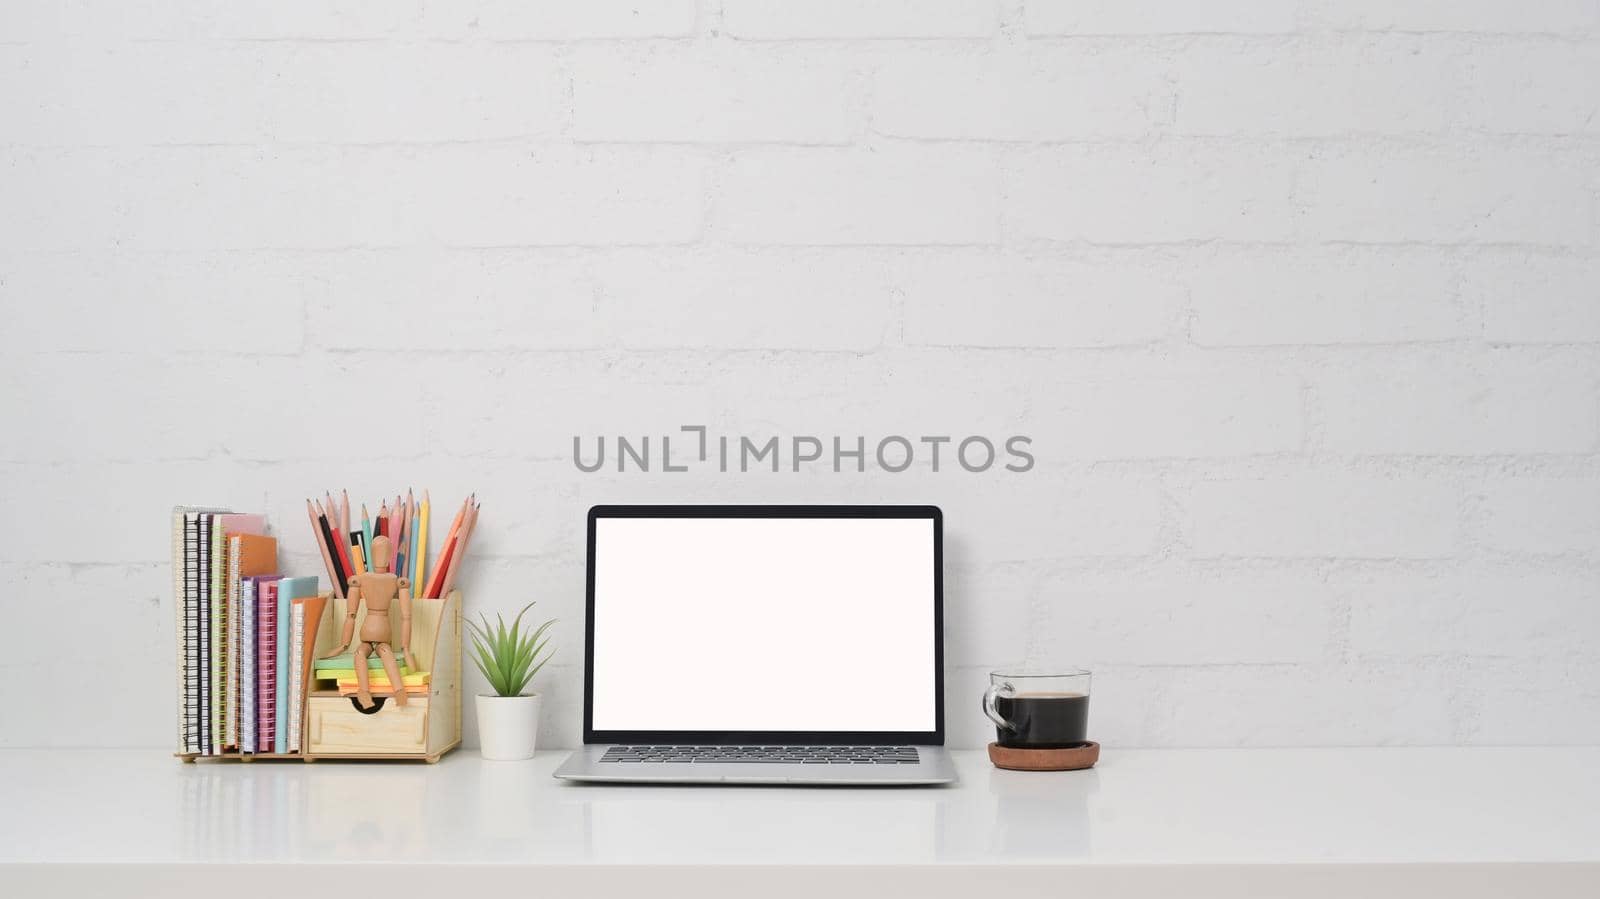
(289, 590)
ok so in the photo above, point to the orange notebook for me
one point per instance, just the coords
(258, 555)
(315, 607)
(307, 617)
(249, 553)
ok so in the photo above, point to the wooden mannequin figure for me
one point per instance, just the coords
(378, 588)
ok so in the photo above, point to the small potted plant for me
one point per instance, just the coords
(508, 720)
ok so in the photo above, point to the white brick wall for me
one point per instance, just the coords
(1166, 191)
(889, 19)
(903, 194)
(1044, 93)
(1477, 191)
(1325, 514)
(998, 299)
(289, 92)
(1090, 17)
(1316, 86)
(1233, 412)
(1534, 297)
(1562, 17)
(1541, 516)
(1326, 296)
(730, 93)
(1441, 407)
(1299, 299)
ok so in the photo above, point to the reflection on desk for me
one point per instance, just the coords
(1139, 817)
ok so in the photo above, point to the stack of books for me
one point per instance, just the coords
(237, 626)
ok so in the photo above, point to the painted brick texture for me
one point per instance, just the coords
(1299, 301)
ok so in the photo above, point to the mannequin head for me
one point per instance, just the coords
(380, 554)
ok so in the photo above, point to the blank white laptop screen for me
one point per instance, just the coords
(763, 624)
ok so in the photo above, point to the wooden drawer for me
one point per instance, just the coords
(335, 726)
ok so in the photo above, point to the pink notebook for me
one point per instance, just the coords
(266, 663)
(241, 523)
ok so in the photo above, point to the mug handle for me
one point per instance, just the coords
(993, 713)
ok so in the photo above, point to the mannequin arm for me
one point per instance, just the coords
(353, 605)
(405, 618)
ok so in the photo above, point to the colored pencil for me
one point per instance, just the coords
(341, 540)
(455, 523)
(341, 562)
(357, 556)
(411, 557)
(336, 573)
(402, 548)
(408, 532)
(447, 551)
(440, 568)
(421, 564)
(405, 520)
(462, 541)
(396, 523)
(453, 548)
(338, 547)
(319, 531)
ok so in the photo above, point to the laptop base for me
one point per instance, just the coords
(933, 767)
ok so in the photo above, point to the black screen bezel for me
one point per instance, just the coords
(934, 737)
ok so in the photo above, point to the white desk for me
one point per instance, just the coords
(1182, 823)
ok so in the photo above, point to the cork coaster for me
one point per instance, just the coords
(1072, 758)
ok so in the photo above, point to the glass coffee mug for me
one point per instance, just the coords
(1037, 709)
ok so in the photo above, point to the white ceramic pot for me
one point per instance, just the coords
(507, 726)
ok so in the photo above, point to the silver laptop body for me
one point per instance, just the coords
(764, 645)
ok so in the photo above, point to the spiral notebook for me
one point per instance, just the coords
(202, 620)
(289, 590)
(250, 553)
(266, 663)
(191, 579)
(247, 664)
(186, 611)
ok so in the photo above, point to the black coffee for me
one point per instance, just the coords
(1043, 720)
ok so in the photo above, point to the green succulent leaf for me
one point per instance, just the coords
(507, 657)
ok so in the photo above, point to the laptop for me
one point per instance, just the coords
(764, 645)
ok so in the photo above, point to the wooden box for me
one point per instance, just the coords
(427, 727)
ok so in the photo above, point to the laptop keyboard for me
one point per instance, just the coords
(783, 755)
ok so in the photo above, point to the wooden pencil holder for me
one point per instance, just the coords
(427, 727)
